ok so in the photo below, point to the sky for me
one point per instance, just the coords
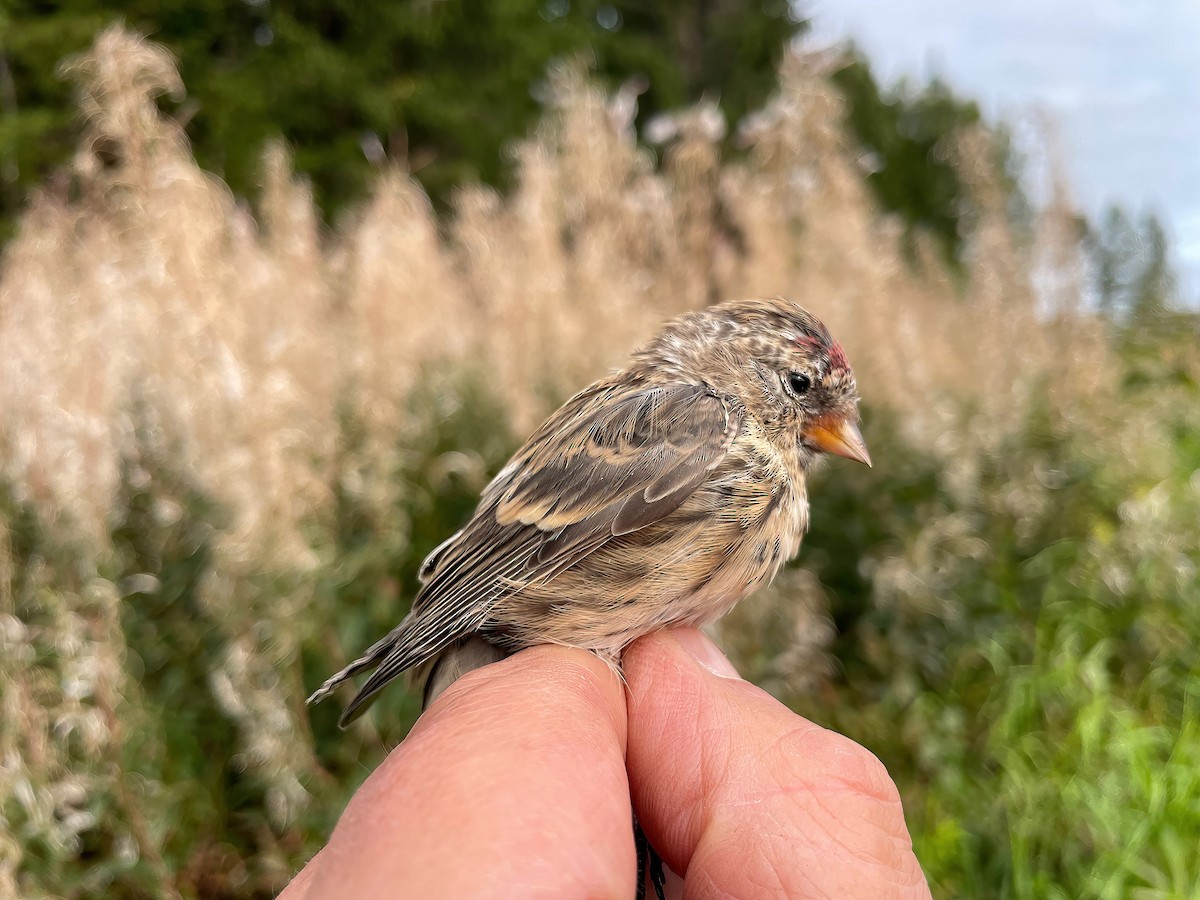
(1120, 80)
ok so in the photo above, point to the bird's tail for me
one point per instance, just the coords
(457, 660)
(411, 644)
(446, 667)
(375, 654)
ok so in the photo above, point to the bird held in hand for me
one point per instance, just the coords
(659, 496)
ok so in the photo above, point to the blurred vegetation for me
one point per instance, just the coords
(226, 444)
(443, 88)
(1135, 283)
(1031, 675)
(903, 130)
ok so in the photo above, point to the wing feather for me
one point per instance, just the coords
(653, 440)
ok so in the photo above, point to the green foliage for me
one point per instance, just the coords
(905, 130)
(443, 86)
(162, 542)
(461, 440)
(1025, 663)
(169, 805)
(725, 50)
(858, 511)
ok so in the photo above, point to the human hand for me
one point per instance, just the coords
(515, 783)
(748, 799)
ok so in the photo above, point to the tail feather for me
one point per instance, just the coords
(391, 660)
(363, 699)
(389, 664)
(374, 655)
(448, 607)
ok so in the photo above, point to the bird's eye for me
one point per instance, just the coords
(799, 382)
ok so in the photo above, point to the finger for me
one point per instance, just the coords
(512, 784)
(744, 797)
(298, 887)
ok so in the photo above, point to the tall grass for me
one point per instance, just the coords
(227, 437)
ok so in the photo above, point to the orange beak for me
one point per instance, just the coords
(838, 435)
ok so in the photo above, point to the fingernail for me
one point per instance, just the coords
(705, 652)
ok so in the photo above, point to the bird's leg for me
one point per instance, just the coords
(648, 860)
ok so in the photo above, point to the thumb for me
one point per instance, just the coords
(742, 796)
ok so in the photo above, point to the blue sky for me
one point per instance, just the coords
(1121, 80)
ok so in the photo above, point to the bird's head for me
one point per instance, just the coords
(781, 362)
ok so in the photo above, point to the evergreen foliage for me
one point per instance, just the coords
(444, 87)
(441, 87)
(905, 132)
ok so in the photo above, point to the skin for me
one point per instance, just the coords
(516, 782)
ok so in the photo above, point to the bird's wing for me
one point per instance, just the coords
(614, 459)
(615, 464)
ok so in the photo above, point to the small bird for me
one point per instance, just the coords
(659, 496)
